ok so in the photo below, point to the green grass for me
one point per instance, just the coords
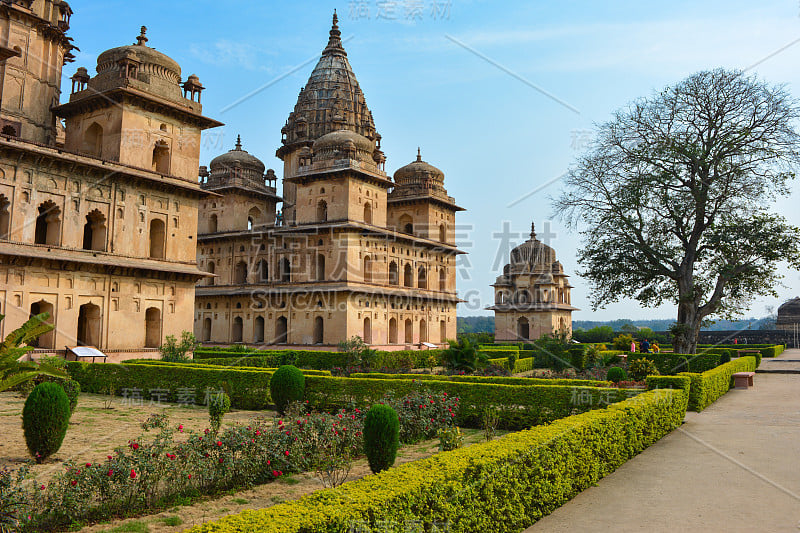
(136, 526)
(240, 501)
(289, 480)
(276, 499)
(223, 510)
(171, 520)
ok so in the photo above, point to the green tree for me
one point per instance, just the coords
(463, 355)
(13, 371)
(672, 199)
(177, 352)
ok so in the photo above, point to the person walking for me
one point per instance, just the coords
(645, 346)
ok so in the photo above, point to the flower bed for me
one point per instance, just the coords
(502, 485)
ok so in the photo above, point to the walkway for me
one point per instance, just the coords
(733, 467)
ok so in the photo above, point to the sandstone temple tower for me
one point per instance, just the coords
(98, 221)
(532, 297)
(353, 251)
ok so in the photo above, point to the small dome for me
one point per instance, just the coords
(416, 171)
(790, 308)
(533, 252)
(343, 139)
(237, 158)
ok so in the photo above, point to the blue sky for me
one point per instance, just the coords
(501, 135)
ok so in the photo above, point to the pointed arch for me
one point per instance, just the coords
(258, 330)
(367, 330)
(392, 331)
(5, 217)
(408, 275)
(322, 211)
(319, 330)
(368, 212)
(394, 276)
(212, 223)
(237, 330)
(92, 142)
(48, 224)
(158, 237)
(422, 278)
(94, 231)
(367, 269)
(240, 273)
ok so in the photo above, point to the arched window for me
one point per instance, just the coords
(286, 269)
(367, 269)
(258, 330)
(523, 328)
(442, 280)
(322, 211)
(5, 217)
(368, 213)
(237, 330)
(394, 277)
(161, 157)
(422, 278)
(392, 331)
(152, 327)
(48, 224)
(48, 339)
(367, 330)
(212, 224)
(9, 131)
(210, 268)
(442, 331)
(319, 330)
(93, 140)
(263, 270)
(442, 233)
(158, 235)
(253, 217)
(94, 231)
(408, 275)
(207, 329)
(406, 224)
(89, 325)
(240, 273)
(409, 331)
(423, 331)
(320, 267)
(281, 330)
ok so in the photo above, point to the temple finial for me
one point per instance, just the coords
(141, 39)
(533, 231)
(335, 19)
(335, 40)
(419, 155)
(238, 142)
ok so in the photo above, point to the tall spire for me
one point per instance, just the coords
(141, 39)
(238, 142)
(419, 155)
(533, 231)
(335, 40)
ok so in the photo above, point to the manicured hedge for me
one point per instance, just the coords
(707, 387)
(767, 350)
(683, 383)
(499, 354)
(324, 360)
(503, 485)
(668, 363)
(521, 365)
(500, 380)
(247, 363)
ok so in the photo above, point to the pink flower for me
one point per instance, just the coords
(219, 443)
(221, 459)
(133, 474)
(180, 428)
(258, 433)
(73, 482)
(110, 473)
(41, 488)
(135, 446)
(88, 464)
(109, 457)
(190, 476)
(286, 453)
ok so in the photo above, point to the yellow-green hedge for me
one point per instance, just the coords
(504, 485)
(521, 365)
(707, 387)
(498, 380)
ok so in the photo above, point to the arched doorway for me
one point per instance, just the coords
(319, 330)
(238, 328)
(320, 273)
(211, 268)
(367, 269)
(48, 339)
(152, 330)
(442, 331)
(423, 331)
(281, 330)
(161, 157)
(240, 273)
(158, 237)
(89, 325)
(392, 331)
(368, 213)
(408, 276)
(93, 140)
(94, 231)
(286, 269)
(212, 224)
(253, 217)
(258, 330)
(207, 329)
(5, 217)
(523, 328)
(48, 224)
(367, 330)
(442, 233)
(409, 331)
(322, 211)
(394, 277)
(442, 280)
(263, 270)
(406, 224)
(422, 278)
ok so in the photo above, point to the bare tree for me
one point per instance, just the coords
(673, 199)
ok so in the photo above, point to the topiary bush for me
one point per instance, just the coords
(616, 374)
(218, 405)
(381, 437)
(641, 368)
(45, 418)
(287, 385)
(725, 357)
(73, 389)
(512, 361)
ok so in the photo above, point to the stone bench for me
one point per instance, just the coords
(745, 351)
(743, 380)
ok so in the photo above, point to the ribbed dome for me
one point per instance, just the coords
(418, 170)
(343, 138)
(237, 158)
(533, 253)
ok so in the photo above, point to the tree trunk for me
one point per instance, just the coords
(687, 328)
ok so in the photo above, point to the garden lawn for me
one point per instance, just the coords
(94, 431)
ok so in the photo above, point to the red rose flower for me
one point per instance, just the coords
(110, 473)
(73, 482)
(133, 474)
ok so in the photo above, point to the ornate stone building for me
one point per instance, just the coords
(789, 316)
(353, 252)
(532, 297)
(98, 221)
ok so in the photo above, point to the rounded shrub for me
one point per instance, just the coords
(218, 405)
(287, 385)
(616, 374)
(512, 362)
(73, 390)
(381, 437)
(641, 368)
(45, 418)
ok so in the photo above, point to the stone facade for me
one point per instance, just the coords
(99, 231)
(532, 297)
(789, 316)
(352, 252)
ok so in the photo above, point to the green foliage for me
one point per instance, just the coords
(725, 357)
(577, 356)
(218, 405)
(616, 374)
(73, 390)
(14, 372)
(358, 353)
(286, 386)
(174, 351)
(552, 351)
(12, 498)
(511, 362)
(501, 380)
(548, 465)
(707, 387)
(45, 419)
(381, 437)
(450, 439)
(671, 363)
(609, 357)
(639, 369)
(463, 356)
(595, 335)
(622, 342)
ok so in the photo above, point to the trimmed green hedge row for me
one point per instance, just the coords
(668, 363)
(707, 387)
(683, 383)
(505, 485)
(489, 379)
(325, 360)
(767, 350)
(521, 365)
(244, 364)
